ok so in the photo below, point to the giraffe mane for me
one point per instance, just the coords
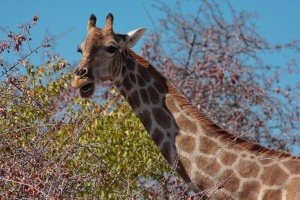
(209, 126)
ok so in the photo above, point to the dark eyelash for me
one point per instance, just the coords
(111, 49)
(79, 49)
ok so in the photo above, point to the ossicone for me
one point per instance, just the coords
(93, 17)
(109, 22)
(92, 22)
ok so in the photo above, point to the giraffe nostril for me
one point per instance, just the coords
(82, 72)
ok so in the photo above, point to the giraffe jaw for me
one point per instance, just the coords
(86, 86)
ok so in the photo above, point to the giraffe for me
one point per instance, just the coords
(214, 163)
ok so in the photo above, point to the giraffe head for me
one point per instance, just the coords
(101, 54)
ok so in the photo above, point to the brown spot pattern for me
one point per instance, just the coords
(227, 158)
(272, 195)
(161, 118)
(292, 166)
(136, 99)
(123, 93)
(130, 64)
(125, 53)
(140, 81)
(127, 83)
(266, 161)
(204, 181)
(170, 103)
(153, 94)
(124, 57)
(186, 164)
(208, 146)
(166, 151)
(146, 119)
(132, 78)
(249, 191)
(208, 124)
(184, 168)
(208, 165)
(185, 143)
(144, 96)
(131, 102)
(220, 196)
(186, 124)
(273, 175)
(123, 70)
(292, 189)
(232, 182)
(157, 136)
(144, 73)
(248, 169)
(159, 88)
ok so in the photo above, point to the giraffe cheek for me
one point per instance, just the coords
(101, 74)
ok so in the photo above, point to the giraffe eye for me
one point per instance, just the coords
(111, 49)
(79, 49)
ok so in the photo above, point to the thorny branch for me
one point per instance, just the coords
(224, 73)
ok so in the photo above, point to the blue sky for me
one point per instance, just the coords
(279, 19)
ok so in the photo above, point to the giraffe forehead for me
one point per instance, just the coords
(102, 37)
(99, 38)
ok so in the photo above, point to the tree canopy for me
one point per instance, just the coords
(55, 145)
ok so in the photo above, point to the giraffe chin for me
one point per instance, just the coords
(87, 90)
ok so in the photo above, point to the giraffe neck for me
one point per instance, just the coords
(207, 157)
(148, 97)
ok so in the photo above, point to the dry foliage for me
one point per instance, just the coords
(219, 65)
(55, 145)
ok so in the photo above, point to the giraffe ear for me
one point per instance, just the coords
(132, 37)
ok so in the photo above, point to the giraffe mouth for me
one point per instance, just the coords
(87, 90)
(86, 86)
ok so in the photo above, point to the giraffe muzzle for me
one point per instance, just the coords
(85, 85)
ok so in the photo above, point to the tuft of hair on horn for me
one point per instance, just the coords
(92, 22)
(109, 21)
(93, 17)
